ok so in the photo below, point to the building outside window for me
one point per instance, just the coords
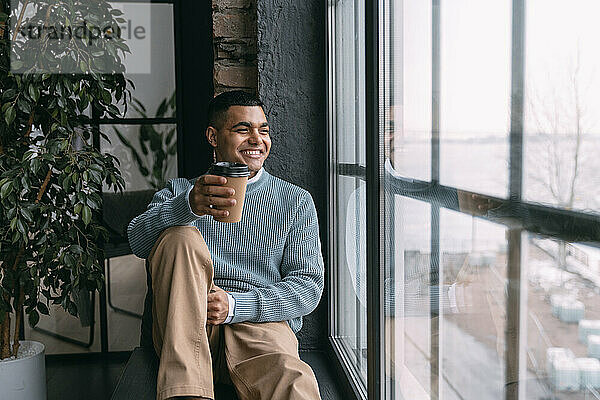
(475, 182)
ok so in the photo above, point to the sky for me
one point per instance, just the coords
(476, 60)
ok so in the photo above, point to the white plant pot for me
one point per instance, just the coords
(24, 378)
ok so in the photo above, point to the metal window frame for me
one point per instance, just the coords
(337, 349)
(513, 212)
(375, 201)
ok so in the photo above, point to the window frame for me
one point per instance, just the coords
(524, 217)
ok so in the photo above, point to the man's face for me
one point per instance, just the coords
(243, 137)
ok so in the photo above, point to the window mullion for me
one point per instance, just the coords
(375, 199)
(513, 304)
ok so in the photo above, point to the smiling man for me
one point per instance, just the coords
(228, 298)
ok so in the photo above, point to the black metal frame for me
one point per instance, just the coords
(375, 199)
(517, 215)
(434, 261)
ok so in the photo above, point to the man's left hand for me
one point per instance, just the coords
(217, 307)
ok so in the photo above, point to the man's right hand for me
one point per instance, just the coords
(209, 191)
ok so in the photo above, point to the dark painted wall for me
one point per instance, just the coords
(194, 68)
(291, 76)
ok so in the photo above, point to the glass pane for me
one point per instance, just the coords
(407, 298)
(475, 95)
(473, 278)
(158, 85)
(562, 94)
(143, 165)
(563, 319)
(408, 114)
(349, 119)
(351, 270)
(350, 81)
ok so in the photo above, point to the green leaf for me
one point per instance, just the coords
(86, 214)
(21, 227)
(34, 318)
(23, 105)
(162, 108)
(6, 189)
(41, 240)
(106, 96)
(78, 208)
(43, 308)
(10, 114)
(34, 92)
(69, 260)
(9, 94)
(93, 203)
(27, 214)
(67, 183)
(96, 177)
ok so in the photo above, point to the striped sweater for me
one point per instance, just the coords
(270, 261)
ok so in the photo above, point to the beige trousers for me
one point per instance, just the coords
(260, 359)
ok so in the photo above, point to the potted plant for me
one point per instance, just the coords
(51, 176)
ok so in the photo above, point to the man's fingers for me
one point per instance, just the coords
(214, 212)
(219, 201)
(216, 310)
(211, 180)
(220, 191)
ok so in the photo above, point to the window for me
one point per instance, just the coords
(464, 248)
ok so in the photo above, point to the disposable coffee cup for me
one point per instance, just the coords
(237, 177)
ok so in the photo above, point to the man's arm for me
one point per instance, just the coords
(169, 207)
(302, 270)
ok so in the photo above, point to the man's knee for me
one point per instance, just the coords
(185, 240)
(183, 234)
(291, 367)
(295, 374)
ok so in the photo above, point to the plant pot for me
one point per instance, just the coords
(24, 378)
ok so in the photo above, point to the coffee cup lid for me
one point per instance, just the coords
(233, 170)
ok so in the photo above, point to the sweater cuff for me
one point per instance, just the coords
(231, 312)
(182, 210)
(246, 307)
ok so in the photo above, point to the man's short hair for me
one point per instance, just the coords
(219, 105)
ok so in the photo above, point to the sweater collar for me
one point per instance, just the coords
(257, 176)
(259, 179)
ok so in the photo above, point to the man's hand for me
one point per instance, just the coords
(209, 192)
(475, 204)
(218, 306)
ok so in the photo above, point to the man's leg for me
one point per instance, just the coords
(264, 364)
(182, 274)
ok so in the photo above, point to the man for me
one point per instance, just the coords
(228, 298)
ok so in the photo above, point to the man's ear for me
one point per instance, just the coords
(211, 136)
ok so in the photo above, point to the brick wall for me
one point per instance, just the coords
(234, 39)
